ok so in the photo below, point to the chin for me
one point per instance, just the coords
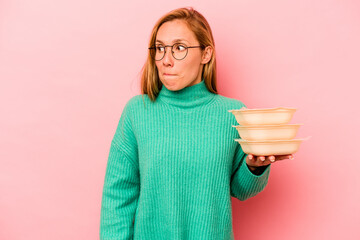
(172, 85)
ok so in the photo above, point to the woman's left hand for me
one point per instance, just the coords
(254, 161)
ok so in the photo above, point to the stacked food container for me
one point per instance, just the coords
(267, 131)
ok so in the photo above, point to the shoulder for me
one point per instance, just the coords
(230, 103)
(137, 104)
(137, 101)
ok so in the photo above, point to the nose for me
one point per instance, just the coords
(168, 58)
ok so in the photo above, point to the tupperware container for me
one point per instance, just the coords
(268, 132)
(270, 147)
(263, 116)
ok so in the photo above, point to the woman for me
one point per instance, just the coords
(173, 163)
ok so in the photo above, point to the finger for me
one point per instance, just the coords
(251, 160)
(254, 161)
(271, 158)
(283, 157)
(263, 161)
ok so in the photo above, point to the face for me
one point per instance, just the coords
(178, 74)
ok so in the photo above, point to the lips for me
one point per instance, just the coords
(167, 74)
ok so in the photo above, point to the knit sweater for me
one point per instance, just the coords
(173, 167)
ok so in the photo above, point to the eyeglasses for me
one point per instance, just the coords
(178, 50)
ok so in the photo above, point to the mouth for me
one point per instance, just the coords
(166, 74)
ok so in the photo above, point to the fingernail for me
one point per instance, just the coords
(250, 157)
(262, 158)
(291, 157)
(272, 158)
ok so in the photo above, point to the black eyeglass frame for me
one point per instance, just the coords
(172, 52)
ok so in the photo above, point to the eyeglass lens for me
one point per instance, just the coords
(178, 50)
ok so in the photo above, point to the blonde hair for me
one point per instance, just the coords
(150, 82)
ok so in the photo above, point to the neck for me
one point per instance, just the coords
(189, 97)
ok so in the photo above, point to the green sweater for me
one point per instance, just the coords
(173, 167)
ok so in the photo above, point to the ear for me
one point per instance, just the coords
(206, 56)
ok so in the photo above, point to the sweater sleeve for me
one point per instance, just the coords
(244, 184)
(122, 184)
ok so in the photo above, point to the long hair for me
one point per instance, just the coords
(150, 82)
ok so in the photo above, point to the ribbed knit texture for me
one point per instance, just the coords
(173, 167)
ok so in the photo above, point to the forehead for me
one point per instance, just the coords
(176, 29)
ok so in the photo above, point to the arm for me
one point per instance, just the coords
(121, 185)
(245, 184)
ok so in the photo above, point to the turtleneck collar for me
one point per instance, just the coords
(188, 97)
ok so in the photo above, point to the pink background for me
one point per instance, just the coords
(67, 68)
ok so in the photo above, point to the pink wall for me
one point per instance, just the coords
(67, 69)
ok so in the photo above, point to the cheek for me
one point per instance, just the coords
(192, 66)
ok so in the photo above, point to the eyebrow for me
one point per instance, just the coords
(175, 40)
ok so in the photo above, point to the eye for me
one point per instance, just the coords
(159, 48)
(180, 47)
